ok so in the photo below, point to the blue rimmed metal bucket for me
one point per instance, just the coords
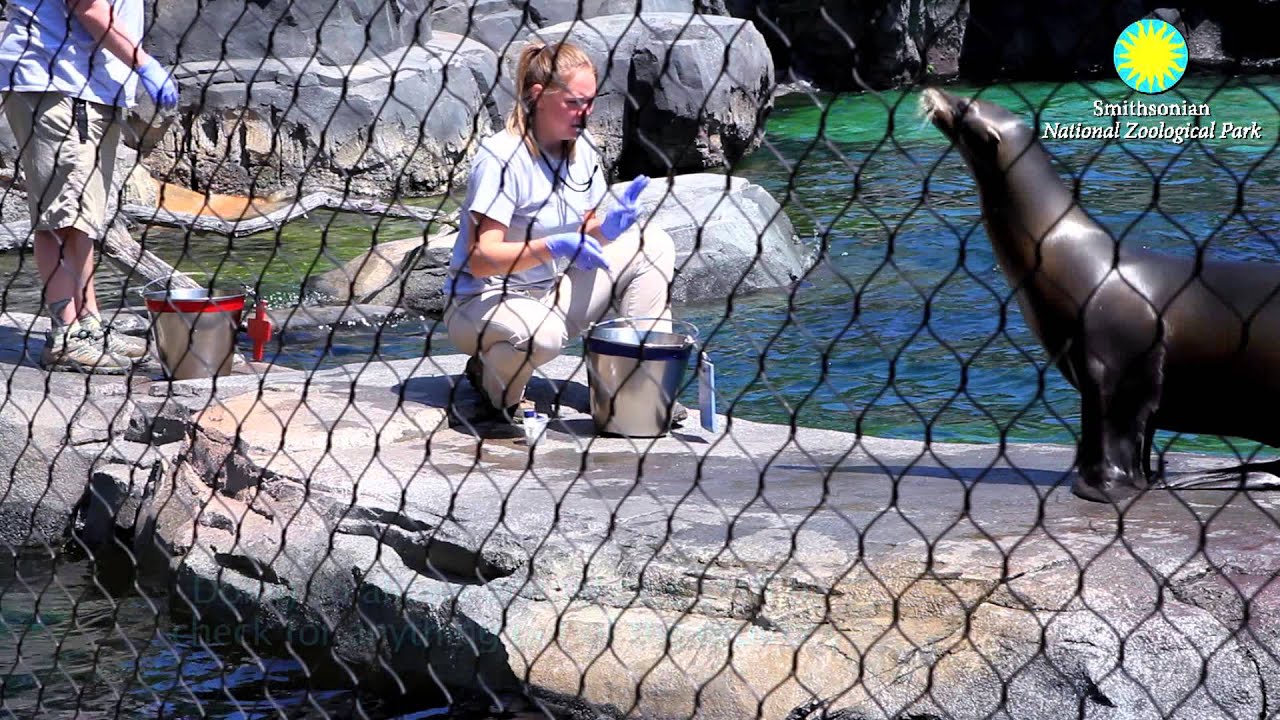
(635, 367)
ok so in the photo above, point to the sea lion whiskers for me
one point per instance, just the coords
(924, 108)
(930, 104)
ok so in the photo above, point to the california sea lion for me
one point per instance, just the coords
(1151, 341)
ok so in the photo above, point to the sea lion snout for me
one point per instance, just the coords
(943, 109)
(990, 138)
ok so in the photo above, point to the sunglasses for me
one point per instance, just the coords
(576, 102)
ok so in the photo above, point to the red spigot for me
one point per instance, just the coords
(260, 331)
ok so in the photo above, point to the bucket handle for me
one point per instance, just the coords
(692, 334)
(164, 278)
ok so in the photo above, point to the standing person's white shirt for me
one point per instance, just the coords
(68, 68)
(45, 49)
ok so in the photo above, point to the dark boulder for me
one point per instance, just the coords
(1056, 39)
(679, 92)
(497, 23)
(333, 32)
(881, 43)
(1231, 37)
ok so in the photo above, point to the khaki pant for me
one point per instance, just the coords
(514, 332)
(67, 176)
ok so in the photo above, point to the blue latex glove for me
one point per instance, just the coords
(626, 214)
(582, 250)
(158, 83)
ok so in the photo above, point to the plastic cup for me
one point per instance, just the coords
(534, 426)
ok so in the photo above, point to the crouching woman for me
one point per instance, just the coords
(533, 266)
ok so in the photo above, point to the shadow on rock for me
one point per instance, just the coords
(468, 411)
(19, 348)
(1003, 476)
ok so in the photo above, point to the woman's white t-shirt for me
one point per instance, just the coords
(45, 48)
(533, 196)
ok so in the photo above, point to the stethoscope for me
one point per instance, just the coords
(565, 181)
(566, 178)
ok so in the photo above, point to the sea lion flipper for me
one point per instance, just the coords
(1117, 411)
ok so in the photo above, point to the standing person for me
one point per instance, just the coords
(68, 69)
(533, 266)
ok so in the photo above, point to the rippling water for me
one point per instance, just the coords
(83, 635)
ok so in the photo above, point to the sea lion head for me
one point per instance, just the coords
(989, 137)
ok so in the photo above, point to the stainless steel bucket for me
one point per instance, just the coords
(194, 330)
(635, 374)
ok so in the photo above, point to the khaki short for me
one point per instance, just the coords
(67, 177)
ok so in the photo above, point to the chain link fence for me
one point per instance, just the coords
(303, 500)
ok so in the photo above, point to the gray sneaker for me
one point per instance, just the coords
(71, 348)
(112, 341)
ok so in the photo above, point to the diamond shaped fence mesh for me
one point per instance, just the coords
(691, 358)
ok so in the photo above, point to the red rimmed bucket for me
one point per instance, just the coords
(194, 330)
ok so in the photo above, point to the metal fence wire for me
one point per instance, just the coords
(422, 420)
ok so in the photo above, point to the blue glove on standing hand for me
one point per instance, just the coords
(582, 250)
(158, 83)
(626, 214)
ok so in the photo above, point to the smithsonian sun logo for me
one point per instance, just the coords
(1150, 56)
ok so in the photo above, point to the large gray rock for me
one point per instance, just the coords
(385, 127)
(335, 32)
(363, 278)
(679, 92)
(53, 437)
(499, 22)
(65, 434)
(804, 570)
(43, 478)
(731, 238)
(491, 22)
(421, 290)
